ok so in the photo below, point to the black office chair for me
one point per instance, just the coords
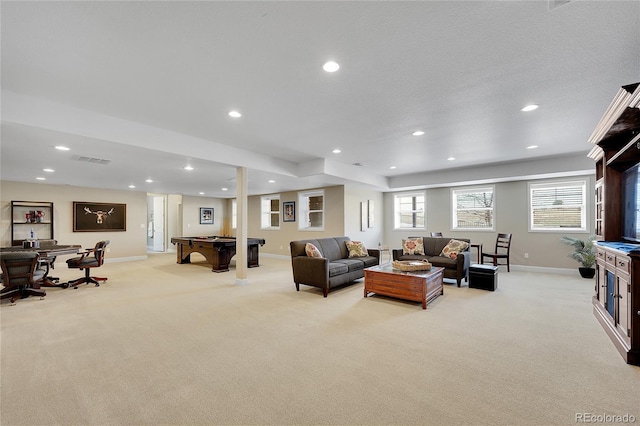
(90, 258)
(436, 234)
(503, 247)
(21, 277)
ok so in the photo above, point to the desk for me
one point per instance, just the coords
(217, 250)
(47, 255)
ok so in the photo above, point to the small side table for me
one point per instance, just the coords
(479, 248)
(383, 249)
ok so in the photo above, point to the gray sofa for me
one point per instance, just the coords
(334, 269)
(453, 268)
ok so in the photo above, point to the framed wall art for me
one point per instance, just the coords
(99, 217)
(206, 215)
(289, 209)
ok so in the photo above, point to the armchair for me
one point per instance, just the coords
(20, 275)
(90, 258)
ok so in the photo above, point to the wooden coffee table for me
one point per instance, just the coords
(417, 286)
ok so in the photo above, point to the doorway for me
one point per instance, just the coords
(156, 205)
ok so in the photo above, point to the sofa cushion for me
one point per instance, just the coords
(330, 248)
(369, 261)
(352, 264)
(356, 249)
(445, 262)
(413, 246)
(312, 250)
(454, 247)
(336, 268)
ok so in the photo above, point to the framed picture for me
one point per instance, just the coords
(364, 215)
(206, 215)
(289, 209)
(370, 213)
(99, 217)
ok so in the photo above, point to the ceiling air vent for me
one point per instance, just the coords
(554, 4)
(357, 164)
(92, 160)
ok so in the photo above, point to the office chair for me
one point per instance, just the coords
(503, 247)
(90, 258)
(21, 277)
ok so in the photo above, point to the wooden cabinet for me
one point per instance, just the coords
(616, 299)
(28, 216)
(616, 303)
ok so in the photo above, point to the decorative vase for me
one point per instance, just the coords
(587, 272)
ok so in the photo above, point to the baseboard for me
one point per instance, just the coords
(542, 269)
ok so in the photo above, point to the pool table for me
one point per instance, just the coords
(217, 250)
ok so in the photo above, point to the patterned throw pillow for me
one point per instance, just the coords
(312, 251)
(356, 249)
(454, 247)
(413, 246)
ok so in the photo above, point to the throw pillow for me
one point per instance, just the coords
(312, 250)
(356, 249)
(454, 247)
(413, 246)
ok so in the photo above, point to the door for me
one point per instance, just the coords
(156, 205)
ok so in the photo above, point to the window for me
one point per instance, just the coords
(311, 210)
(409, 211)
(558, 206)
(473, 208)
(270, 212)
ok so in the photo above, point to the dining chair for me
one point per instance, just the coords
(502, 250)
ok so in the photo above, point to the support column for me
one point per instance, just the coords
(242, 179)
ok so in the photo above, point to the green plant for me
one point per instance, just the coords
(584, 252)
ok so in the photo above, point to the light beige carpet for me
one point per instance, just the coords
(162, 343)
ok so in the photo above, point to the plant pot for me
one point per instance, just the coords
(587, 272)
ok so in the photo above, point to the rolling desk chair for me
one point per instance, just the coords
(90, 258)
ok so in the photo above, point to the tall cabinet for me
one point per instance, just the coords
(616, 299)
(28, 216)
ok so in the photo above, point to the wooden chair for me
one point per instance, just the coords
(436, 234)
(21, 277)
(503, 247)
(90, 258)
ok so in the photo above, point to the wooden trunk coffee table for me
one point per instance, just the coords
(417, 286)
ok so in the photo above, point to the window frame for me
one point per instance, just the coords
(584, 214)
(470, 190)
(397, 222)
(304, 212)
(267, 200)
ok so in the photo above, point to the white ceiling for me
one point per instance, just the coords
(147, 85)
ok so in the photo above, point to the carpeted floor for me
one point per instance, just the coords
(162, 343)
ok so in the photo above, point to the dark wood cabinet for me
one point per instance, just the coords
(616, 299)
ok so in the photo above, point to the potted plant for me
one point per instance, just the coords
(583, 252)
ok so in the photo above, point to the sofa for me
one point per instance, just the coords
(454, 268)
(332, 266)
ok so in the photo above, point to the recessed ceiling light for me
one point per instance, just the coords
(532, 146)
(418, 133)
(331, 66)
(272, 181)
(201, 193)
(393, 167)
(62, 148)
(531, 107)
(225, 189)
(235, 114)
(48, 170)
(149, 180)
(132, 186)
(41, 178)
(188, 168)
(336, 151)
(451, 158)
